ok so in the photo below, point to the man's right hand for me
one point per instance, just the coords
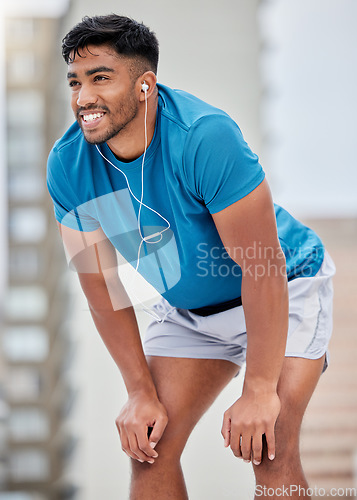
(140, 413)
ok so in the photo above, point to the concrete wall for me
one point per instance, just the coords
(309, 112)
(3, 175)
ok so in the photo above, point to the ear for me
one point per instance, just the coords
(150, 79)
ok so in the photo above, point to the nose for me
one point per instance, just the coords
(86, 96)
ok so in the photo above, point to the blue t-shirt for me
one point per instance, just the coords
(197, 164)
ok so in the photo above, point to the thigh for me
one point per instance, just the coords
(184, 334)
(187, 387)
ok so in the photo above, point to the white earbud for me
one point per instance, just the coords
(144, 87)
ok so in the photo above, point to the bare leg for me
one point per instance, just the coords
(187, 388)
(297, 382)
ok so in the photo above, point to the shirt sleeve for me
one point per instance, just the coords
(218, 163)
(68, 209)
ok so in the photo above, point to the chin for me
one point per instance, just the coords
(93, 138)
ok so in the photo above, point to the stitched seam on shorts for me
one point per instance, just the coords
(317, 324)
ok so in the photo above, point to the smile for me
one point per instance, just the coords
(92, 117)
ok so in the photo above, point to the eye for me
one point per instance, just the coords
(73, 83)
(100, 78)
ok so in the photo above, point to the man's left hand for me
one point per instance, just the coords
(245, 422)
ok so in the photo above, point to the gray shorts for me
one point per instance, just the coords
(184, 334)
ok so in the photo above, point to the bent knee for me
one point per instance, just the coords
(287, 452)
(286, 463)
(174, 438)
(169, 449)
(179, 428)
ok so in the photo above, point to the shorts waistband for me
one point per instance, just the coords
(223, 306)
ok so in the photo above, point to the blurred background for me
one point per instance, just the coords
(286, 72)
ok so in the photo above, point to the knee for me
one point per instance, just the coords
(174, 437)
(173, 440)
(179, 428)
(286, 462)
(287, 453)
(169, 449)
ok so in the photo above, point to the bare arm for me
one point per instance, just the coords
(248, 231)
(94, 258)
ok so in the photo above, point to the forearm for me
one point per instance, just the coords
(119, 331)
(266, 308)
(94, 258)
(143, 410)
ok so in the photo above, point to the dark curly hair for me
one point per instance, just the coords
(126, 36)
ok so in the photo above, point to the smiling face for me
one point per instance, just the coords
(103, 98)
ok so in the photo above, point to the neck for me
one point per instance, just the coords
(129, 144)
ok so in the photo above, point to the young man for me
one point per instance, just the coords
(168, 182)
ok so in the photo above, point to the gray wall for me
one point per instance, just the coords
(309, 65)
(3, 176)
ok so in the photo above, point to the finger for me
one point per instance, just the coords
(235, 441)
(226, 430)
(157, 431)
(125, 446)
(240, 447)
(135, 450)
(144, 445)
(118, 427)
(246, 447)
(238, 451)
(257, 447)
(270, 439)
(123, 438)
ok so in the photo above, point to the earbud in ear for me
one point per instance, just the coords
(144, 87)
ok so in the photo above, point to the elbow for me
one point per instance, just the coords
(104, 293)
(265, 278)
(271, 270)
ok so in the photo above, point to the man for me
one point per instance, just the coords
(168, 182)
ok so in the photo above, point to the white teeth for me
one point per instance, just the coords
(92, 117)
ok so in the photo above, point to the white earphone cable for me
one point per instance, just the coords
(142, 204)
(133, 195)
(143, 162)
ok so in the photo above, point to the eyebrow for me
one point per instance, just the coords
(90, 72)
